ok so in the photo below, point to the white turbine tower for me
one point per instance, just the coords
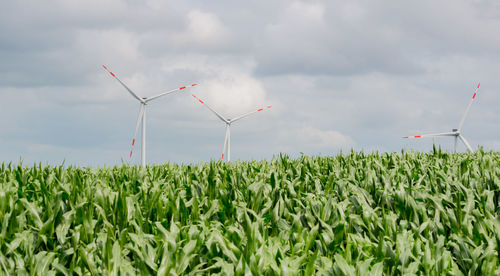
(226, 150)
(456, 132)
(142, 114)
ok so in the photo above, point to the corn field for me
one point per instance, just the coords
(351, 214)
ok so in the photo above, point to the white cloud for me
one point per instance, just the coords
(112, 46)
(203, 29)
(230, 89)
(303, 10)
(315, 139)
(234, 93)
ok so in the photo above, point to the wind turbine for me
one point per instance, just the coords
(456, 132)
(226, 150)
(142, 114)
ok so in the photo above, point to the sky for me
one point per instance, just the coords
(340, 75)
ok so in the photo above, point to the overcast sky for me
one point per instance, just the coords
(339, 75)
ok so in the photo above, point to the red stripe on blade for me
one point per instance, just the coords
(269, 106)
(130, 153)
(222, 156)
(194, 84)
(474, 96)
(418, 136)
(105, 67)
(182, 88)
(405, 137)
(133, 142)
(201, 101)
(112, 74)
(478, 85)
(260, 109)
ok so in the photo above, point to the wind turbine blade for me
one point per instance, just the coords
(465, 142)
(126, 87)
(468, 107)
(215, 112)
(431, 135)
(170, 92)
(139, 119)
(250, 113)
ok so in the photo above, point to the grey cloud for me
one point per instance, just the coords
(372, 72)
(394, 38)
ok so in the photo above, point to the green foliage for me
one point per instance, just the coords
(354, 214)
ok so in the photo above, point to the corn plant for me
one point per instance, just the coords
(351, 214)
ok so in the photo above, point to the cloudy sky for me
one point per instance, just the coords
(339, 75)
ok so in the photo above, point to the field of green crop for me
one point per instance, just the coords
(350, 214)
